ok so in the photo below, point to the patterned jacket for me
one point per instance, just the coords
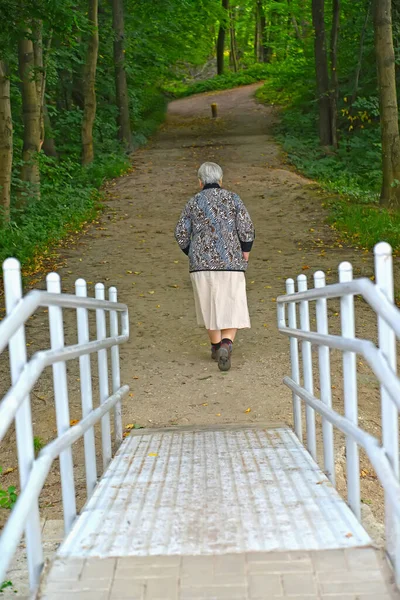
(214, 230)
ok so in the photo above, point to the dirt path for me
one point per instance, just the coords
(166, 361)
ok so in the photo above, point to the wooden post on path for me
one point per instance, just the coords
(214, 110)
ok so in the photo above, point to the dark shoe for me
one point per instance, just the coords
(214, 351)
(224, 357)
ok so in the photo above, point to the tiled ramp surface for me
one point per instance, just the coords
(216, 513)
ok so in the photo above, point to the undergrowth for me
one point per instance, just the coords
(352, 172)
(71, 194)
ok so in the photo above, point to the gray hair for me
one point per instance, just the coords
(210, 172)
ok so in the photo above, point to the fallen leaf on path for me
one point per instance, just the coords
(130, 426)
(135, 377)
(9, 470)
(247, 410)
(151, 292)
(174, 286)
(129, 272)
(349, 535)
(73, 422)
(305, 267)
(205, 404)
(153, 454)
(218, 415)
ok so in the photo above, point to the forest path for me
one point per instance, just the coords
(167, 359)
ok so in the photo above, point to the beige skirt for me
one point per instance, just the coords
(220, 299)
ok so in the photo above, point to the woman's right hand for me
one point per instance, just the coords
(246, 256)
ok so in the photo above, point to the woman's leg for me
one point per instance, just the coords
(214, 335)
(228, 334)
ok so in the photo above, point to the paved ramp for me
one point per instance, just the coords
(199, 513)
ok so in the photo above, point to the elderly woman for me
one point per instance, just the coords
(216, 232)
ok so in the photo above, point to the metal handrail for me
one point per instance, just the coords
(359, 287)
(14, 527)
(366, 348)
(16, 403)
(35, 367)
(34, 299)
(371, 445)
(382, 360)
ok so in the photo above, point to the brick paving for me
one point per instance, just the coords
(350, 574)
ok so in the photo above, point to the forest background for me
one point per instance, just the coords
(82, 83)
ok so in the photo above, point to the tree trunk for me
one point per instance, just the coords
(334, 73)
(89, 81)
(259, 40)
(31, 118)
(6, 144)
(49, 144)
(385, 60)
(233, 58)
(121, 86)
(221, 40)
(321, 69)
(360, 54)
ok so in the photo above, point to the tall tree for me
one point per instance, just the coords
(385, 60)
(6, 143)
(259, 32)
(31, 115)
(334, 69)
(124, 123)
(221, 37)
(89, 83)
(322, 75)
(233, 53)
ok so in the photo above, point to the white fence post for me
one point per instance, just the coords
(390, 420)
(294, 361)
(86, 389)
(103, 378)
(23, 422)
(307, 368)
(350, 392)
(61, 404)
(325, 379)
(115, 368)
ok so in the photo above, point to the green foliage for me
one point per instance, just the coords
(38, 444)
(8, 497)
(5, 585)
(255, 73)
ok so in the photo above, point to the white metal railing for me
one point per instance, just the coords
(384, 455)
(15, 406)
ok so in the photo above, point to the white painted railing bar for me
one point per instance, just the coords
(23, 419)
(35, 299)
(365, 348)
(60, 385)
(102, 362)
(16, 403)
(359, 287)
(13, 530)
(384, 458)
(85, 372)
(371, 445)
(389, 412)
(324, 378)
(115, 367)
(307, 369)
(350, 391)
(32, 371)
(294, 362)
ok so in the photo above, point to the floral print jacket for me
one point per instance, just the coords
(214, 230)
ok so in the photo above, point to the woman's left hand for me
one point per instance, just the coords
(246, 256)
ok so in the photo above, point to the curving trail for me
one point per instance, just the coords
(166, 361)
